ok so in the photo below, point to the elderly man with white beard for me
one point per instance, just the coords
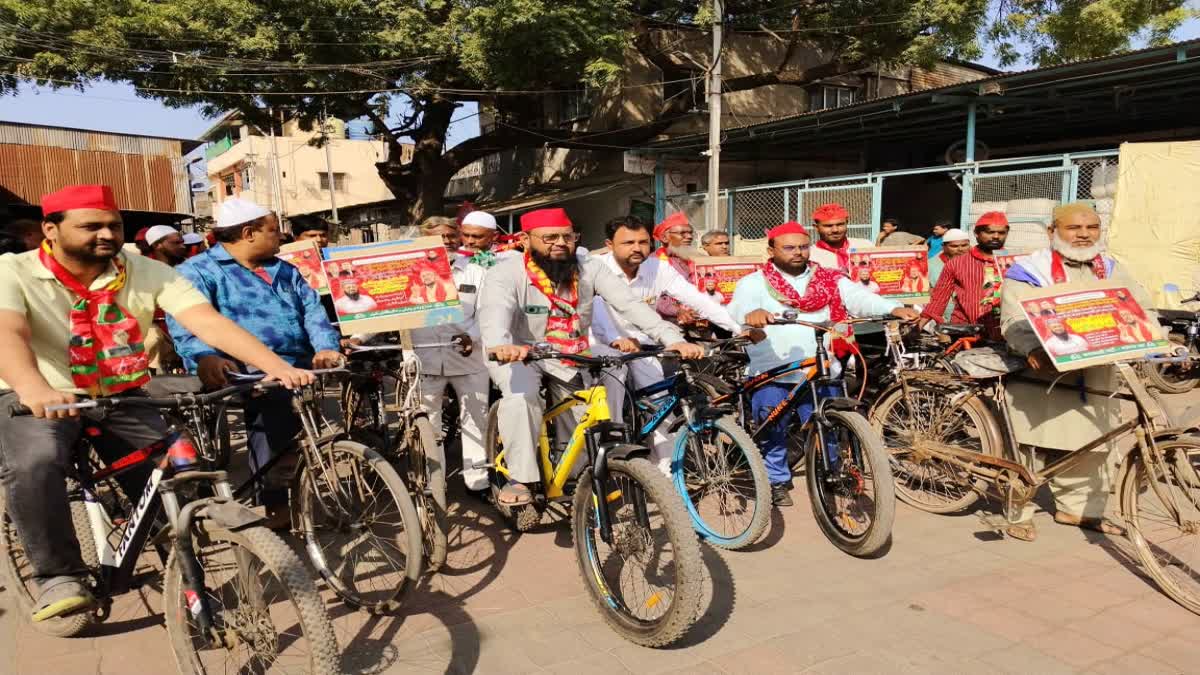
(1066, 419)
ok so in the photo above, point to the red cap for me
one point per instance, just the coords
(79, 197)
(544, 218)
(677, 218)
(830, 212)
(141, 234)
(787, 228)
(991, 218)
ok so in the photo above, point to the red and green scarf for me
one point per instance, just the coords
(822, 292)
(106, 353)
(842, 253)
(564, 329)
(1059, 273)
(993, 280)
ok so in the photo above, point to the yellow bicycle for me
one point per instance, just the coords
(634, 542)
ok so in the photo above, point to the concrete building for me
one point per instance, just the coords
(289, 172)
(148, 174)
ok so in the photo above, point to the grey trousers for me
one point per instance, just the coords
(520, 414)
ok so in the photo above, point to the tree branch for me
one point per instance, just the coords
(796, 77)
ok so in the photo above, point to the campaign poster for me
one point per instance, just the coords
(1088, 324)
(895, 272)
(306, 256)
(717, 276)
(388, 288)
(1005, 259)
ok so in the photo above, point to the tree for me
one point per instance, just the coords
(341, 57)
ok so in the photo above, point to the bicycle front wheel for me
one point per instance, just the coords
(851, 490)
(1161, 506)
(360, 527)
(267, 616)
(721, 476)
(646, 582)
(424, 466)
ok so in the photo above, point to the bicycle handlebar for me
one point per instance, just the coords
(536, 354)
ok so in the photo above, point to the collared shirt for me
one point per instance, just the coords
(962, 281)
(27, 287)
(653, 280)
(286, 315)
(785, 344)
(829, 259)
(513, 312)
(468, 278)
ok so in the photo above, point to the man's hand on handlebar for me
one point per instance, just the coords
(755, 335)
(291, 377)
(906, 314)
(212, 369)
(625, 345)
(328, 359)
(509, 353)
(38, 399)
(759, 318)
(687, 351)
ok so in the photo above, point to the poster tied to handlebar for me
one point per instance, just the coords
(388, 288)
(1088, 324)
(898, 273)
(718, 275)
(306, 256)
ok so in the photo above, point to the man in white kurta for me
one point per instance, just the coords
(648, 278)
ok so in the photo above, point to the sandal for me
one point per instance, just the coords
(1022, 531)
(515, 494)
(1095, 524)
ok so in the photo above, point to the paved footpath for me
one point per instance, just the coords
(949, 597)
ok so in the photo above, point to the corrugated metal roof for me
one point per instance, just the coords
(18, 133)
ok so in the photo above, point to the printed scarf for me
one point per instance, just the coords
(106, 353)
(564, 329)
(822, 292)
(1060, 274)
(843, 253)
(992, 281)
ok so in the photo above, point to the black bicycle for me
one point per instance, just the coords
(236, 597)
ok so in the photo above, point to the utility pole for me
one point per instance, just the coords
(712, 205)
(276, 172)
(329, 166)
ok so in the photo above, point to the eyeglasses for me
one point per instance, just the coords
(564, 238)
(681, 233)
(794, 249)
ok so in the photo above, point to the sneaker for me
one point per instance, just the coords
(60, 597)
(780, 496)
(790, 485)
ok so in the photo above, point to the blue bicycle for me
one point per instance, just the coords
(716, 467)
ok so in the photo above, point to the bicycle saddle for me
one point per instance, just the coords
(957, 330)
(1169, 315)
(165, 386)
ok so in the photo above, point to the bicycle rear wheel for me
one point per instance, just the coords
(1151, 496)
(360, 527)
(854, 501)
(720, 474)
(264, 606)
(647, 582)
(423, 463)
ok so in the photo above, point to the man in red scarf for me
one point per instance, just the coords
(72, 317)
(546, 295)
(973, 281)
(832, 249)
(789, 281)
(675, 233)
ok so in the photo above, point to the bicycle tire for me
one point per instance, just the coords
(689, 570)
(343, 576)
(893, 420)
(296, 583)
(426, 473)
(1152, 554)
(522, 518)
(1159, 375)
(747, 452)
(879, 531)
(13, 561)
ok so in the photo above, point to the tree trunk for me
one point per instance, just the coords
(420, 185)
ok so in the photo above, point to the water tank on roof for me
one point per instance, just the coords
(360, 130)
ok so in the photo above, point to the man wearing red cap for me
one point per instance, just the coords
(72, 317)
(832, 250)
(675, 234)
(789, 281)
(546, 295)
(973, 281)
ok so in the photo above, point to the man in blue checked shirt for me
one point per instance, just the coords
(244, 280)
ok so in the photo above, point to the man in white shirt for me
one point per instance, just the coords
(466, 373)
(352, 301)
(649, 278)
(832, 249)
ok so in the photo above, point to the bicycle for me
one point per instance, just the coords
(233, 589)
(850, 485)
(350, 507)
(646, 584)
(716, 468)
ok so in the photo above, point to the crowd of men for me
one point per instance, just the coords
(78, 318)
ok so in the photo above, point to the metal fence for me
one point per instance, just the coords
(1026, 189)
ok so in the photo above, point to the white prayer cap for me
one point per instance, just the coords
(191, 239)
(480, 219)
(955, 234)
(158, 233)
(237, 211)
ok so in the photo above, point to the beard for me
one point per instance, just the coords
(1075, 253)
(559, 271)
(990, 246)
(94, 252)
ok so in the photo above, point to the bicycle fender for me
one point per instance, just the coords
(836, 403)
(626, 451)
(231, 515)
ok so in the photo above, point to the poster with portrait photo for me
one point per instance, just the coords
(895, 272)
(1087, 324)
(306, 256)
(717, 276)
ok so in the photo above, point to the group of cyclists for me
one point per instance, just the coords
(76, 315)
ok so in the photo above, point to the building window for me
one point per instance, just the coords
(229, 186)
(247, 178)
(567, 107)
(827, 97)
(339, 181)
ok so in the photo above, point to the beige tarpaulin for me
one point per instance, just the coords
(1155, 229)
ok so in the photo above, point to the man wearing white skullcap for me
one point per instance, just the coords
(955, 242)
(478, 231)
(166, 245)
(242, 277)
